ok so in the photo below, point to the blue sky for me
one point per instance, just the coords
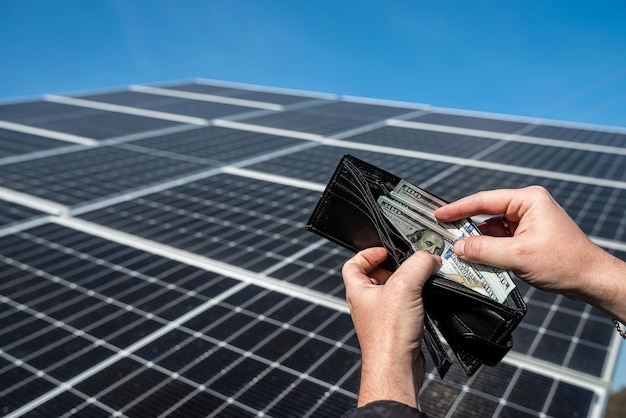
(560, 59)
(552, 59)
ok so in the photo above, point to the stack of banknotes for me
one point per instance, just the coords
(411, 211)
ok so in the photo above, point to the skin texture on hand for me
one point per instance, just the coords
(389, 322)
(546, 249)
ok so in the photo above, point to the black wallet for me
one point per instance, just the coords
(477, 328)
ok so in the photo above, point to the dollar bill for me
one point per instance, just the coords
(424, 235)
(411, 209)
(422, 201)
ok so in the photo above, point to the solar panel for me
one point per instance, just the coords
(197, 108)
(584, 135)
(153, 259)
(76, 120)
(11, 212)
(15, 143)
(88, 174)
(471, 122)
(327, 118)
(216, 145)
(248, 92)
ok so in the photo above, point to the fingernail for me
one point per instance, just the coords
(439, 262)
(459, 248)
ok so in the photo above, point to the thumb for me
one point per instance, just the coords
(492, 251)
(416, 270)
(356, 269)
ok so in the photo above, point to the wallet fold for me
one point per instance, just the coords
(476, 328)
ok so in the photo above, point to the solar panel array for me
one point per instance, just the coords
(153, 260)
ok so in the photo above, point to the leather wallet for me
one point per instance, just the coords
(477, 328)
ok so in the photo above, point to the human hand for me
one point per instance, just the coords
(546, 248)
(389, 322)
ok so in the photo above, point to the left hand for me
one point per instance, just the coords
(389, 322)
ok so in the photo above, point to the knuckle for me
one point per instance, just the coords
(473, 248)
(346, 267)
(350, 264)
(538, 191)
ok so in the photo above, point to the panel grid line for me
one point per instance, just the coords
(515, 137)
(126, 109)
(206, 97)
(47, 133)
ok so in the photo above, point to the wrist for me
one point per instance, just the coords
(386, 376)
(604, 287)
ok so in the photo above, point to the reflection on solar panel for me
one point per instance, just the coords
(153, 260)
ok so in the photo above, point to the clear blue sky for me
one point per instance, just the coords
(559, 59)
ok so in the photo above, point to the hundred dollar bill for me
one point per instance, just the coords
(424, 202)
(425, 235)
(421, 204)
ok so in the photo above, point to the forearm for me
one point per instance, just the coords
(606, 289)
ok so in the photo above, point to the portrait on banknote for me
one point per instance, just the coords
(428, 241)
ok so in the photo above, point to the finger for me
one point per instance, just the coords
(492, 202)
(492, 251)
(356, 269)
(417, 269)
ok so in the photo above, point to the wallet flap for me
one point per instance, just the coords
(347, 211)
(477, 330)
(484, 350)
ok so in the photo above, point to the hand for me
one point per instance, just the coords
(546, 249)
(389, 322)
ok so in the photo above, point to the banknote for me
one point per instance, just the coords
(422, 201)
(410, 210)
(424, 235)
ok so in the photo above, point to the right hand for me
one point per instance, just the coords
(546, 248)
